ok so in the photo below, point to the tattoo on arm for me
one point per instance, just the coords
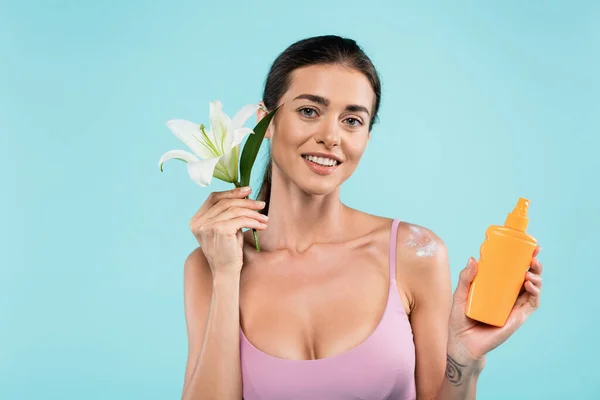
(454, 372)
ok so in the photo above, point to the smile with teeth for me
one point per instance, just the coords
(326, 162)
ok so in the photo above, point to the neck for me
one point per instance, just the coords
(298, 220)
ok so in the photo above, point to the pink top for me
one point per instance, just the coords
(381, 367)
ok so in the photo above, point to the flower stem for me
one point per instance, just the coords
(254, 232)
(256, 244)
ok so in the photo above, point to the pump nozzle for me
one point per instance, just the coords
(517, 219)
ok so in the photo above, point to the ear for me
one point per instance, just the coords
(260, 114)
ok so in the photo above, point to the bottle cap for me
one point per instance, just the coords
(517, 219)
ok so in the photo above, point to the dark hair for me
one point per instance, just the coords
(327, 49)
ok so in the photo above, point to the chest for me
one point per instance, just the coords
(316, 306)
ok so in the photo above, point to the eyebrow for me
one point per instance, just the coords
(325, 102)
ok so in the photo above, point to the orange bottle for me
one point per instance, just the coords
(505, 257)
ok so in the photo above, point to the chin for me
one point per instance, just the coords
(319, 186)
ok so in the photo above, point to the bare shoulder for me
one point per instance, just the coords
(421, 262)
(422, 266)
(196, 266)
(418, 248)
(420, 245)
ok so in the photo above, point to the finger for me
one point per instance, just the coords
(464, 280)
(215, 197)
(236, 212)
(536, 266)
(228, 227)
(235, 224)
(532, 297)
(537, 251)
(532, 289)
(237, 193)
(224, 205)
(534, 278)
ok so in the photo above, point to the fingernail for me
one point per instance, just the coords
(261, 203)
(245, 189)
(472, 263)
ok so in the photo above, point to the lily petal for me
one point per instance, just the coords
(238, 121)
(219, 122)
(240, 118)
(237, 136)
(202, 171)
(189, 133)
(177, 154)
(230, 164)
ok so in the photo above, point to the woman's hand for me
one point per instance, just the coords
(473, 339)
(218, 225)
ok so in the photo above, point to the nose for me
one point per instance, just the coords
(329, 135)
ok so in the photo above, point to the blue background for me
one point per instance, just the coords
(483, 102)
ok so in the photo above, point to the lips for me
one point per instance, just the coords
(324, 155)
(324, 161)
(321, 165)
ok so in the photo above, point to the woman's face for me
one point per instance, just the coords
(320, 133)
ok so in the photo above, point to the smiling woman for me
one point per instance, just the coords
(333, 71)
(325, 117)
(339, 304)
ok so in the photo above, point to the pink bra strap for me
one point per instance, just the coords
(393, 241)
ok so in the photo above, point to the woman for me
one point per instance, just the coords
(339, 304)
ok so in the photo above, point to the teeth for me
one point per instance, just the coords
(327, 162)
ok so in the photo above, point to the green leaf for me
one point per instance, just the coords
(252, 147)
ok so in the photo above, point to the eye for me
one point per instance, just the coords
(307, 112)
(353, 122)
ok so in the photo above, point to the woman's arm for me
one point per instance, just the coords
(426, 275)
(451, 347)
(213, 368)
(460, 380)
(462, 368)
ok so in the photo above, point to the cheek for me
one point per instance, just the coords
(283, 146)
(288, 136)
(355, 148)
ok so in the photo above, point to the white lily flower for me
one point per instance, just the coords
(216, 152)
